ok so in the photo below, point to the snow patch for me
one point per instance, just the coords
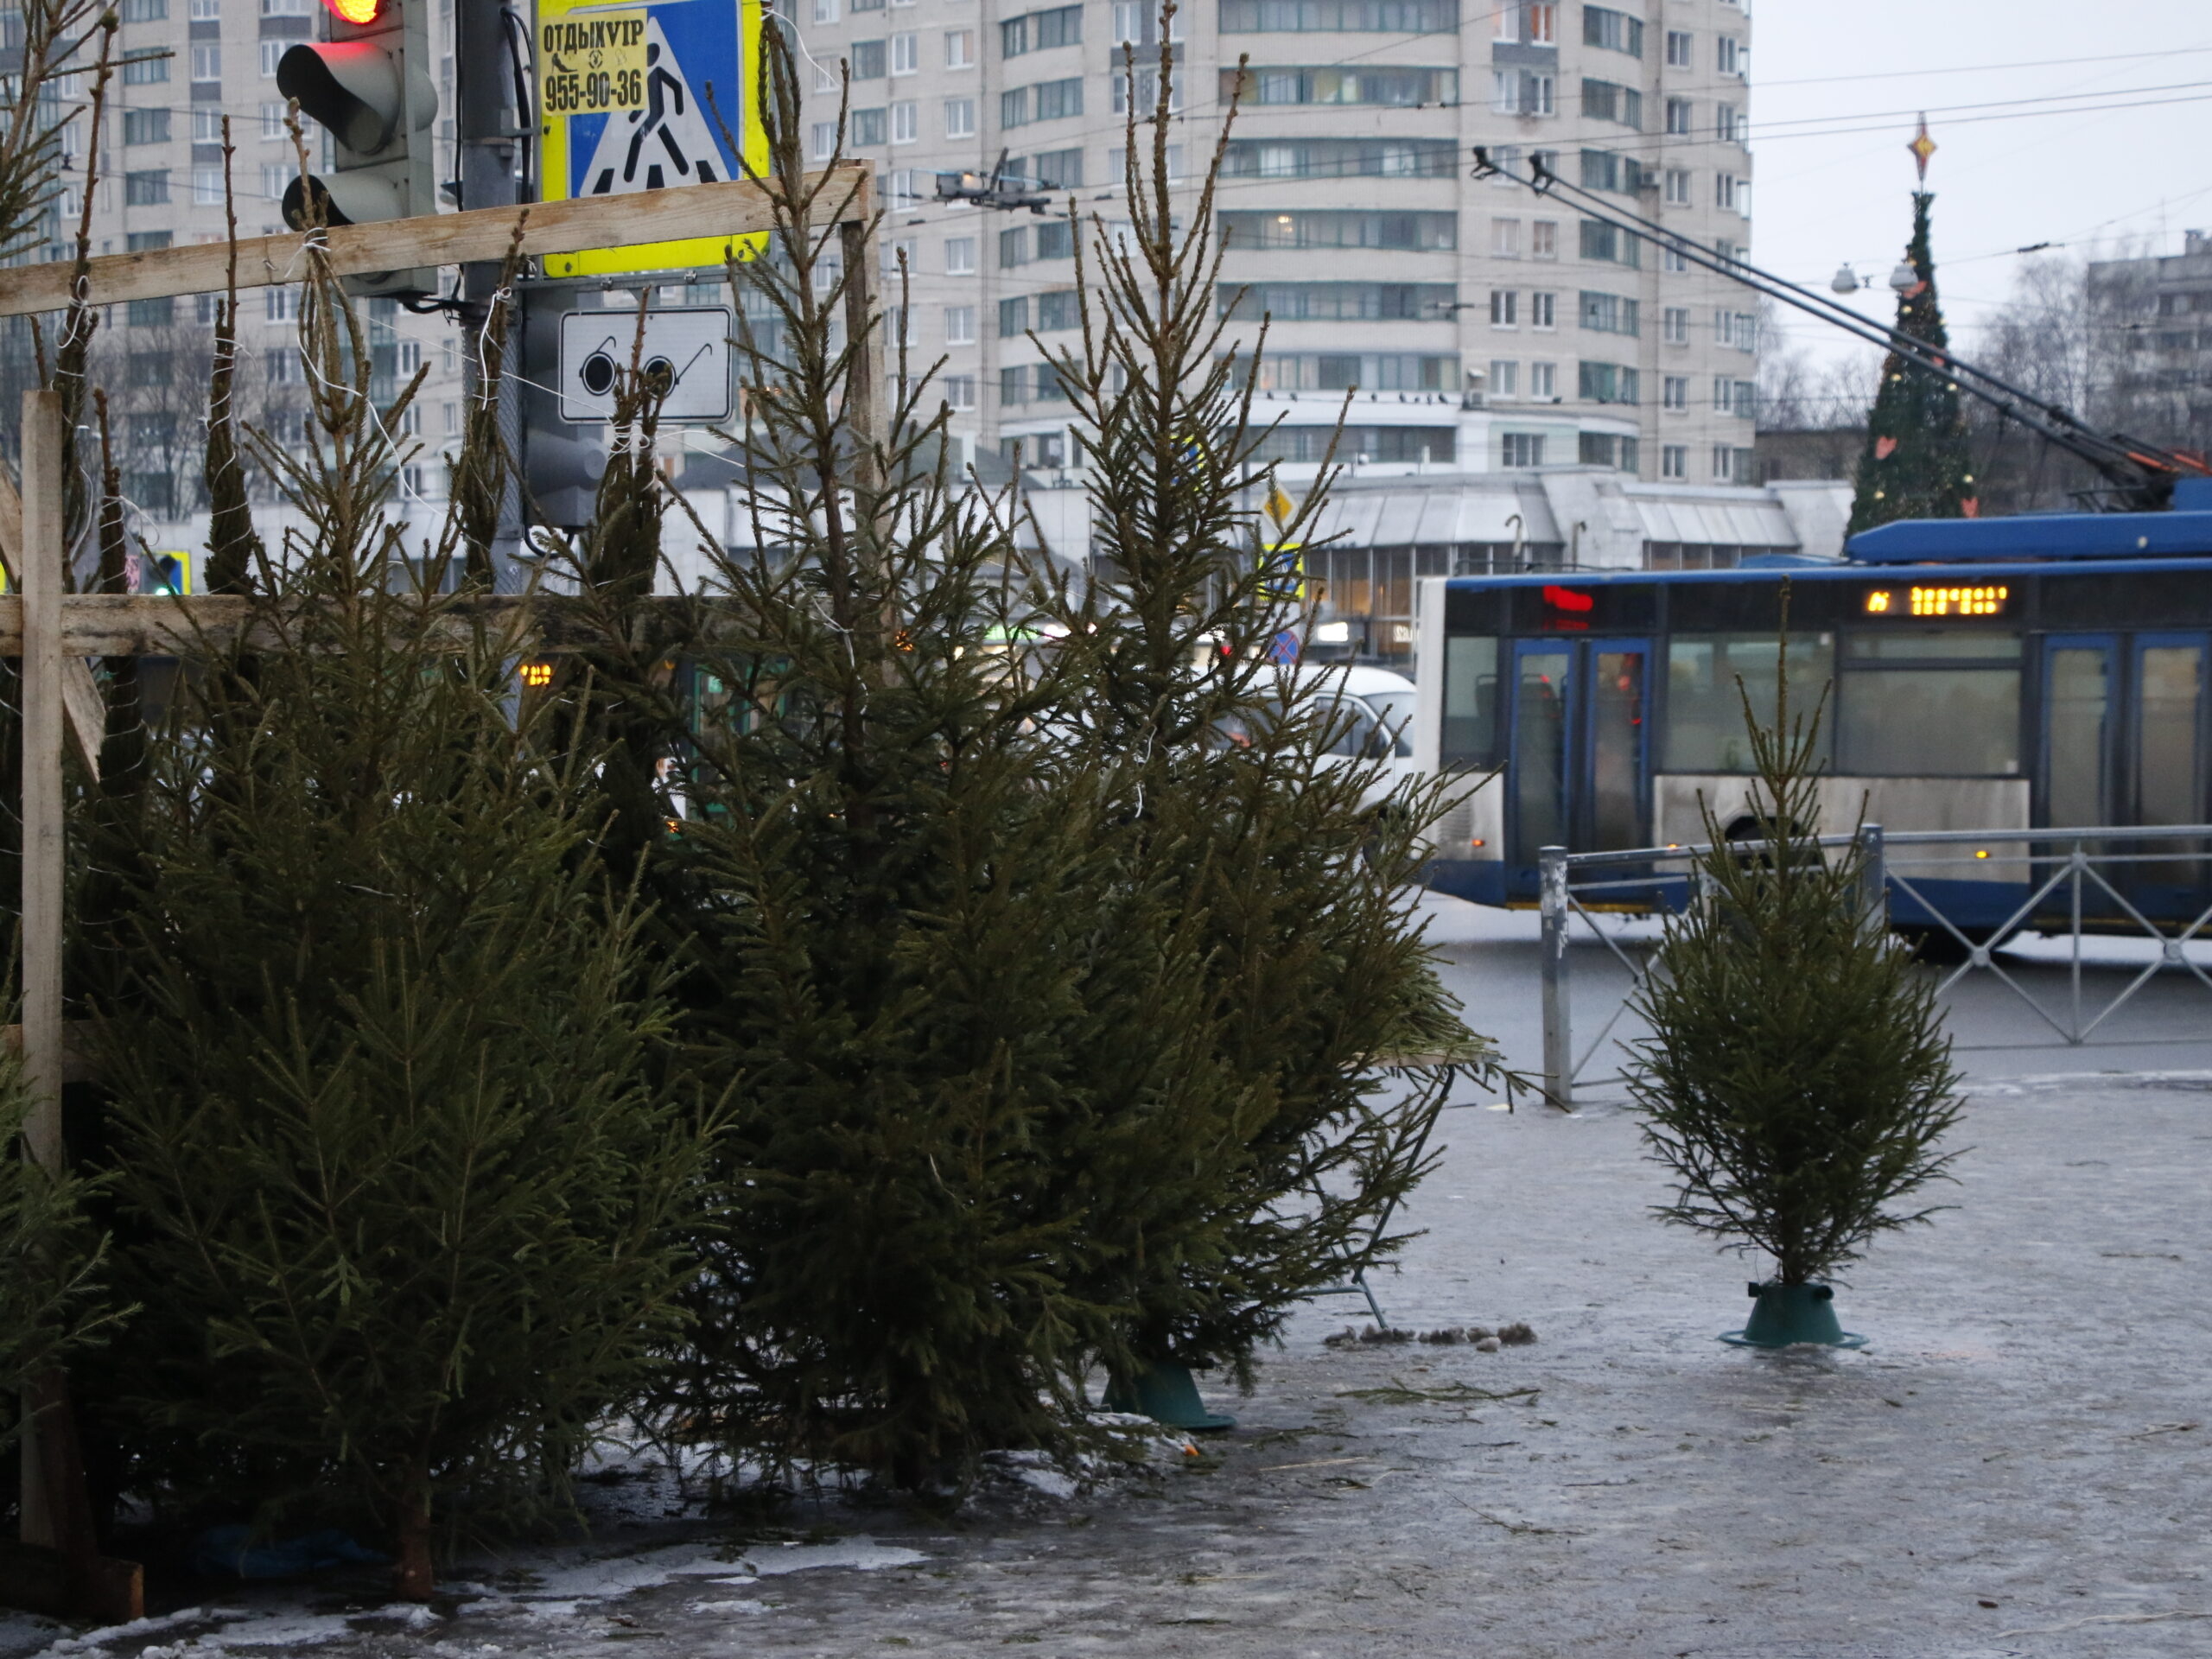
(739, 1607)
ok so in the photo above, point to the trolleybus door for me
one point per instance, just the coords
(2167, 751)
(1579, 774)
(2081, 696)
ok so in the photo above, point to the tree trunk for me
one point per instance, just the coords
(414, 1578)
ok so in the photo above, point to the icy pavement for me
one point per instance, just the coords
(2016, 1464)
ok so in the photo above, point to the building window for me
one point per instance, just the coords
(1610, 244)
(145, 126)
(821, 140)
(276, 305)
(959, 255)
(1675, 392)
(1604, 100)
(903, 189)
(1606, 383)
(1534, 23)
(272, 53)
(272, 122)
(1334, 229)
(870, 59)
(207, 126)
(1732, 192)
(1058, 310)
(1518, 451)
(1729, 55)
(1014, 107)
(149, 188)
(1521, 91)
(1615, 31)
(1724, 462)
(1056, 239)
(906, 122)
(1505, 238)
(1728, 124)
(1148, 92)
(1608, 314)
(960, 325)
(1014, 247)
(145, 11)
(906, 54)
(959, 390)
(960, 118)
(1048, 100)
(1678, 187)
(1543, 239)
(1678, 50)
(1312, 17)
(206, 187)
(1040, 31)
(1504, 377)
(1672, 259)
(1737, 328)
(959, 48)
(825, 11)
(868, 127)
(145, 68)
(1504, 308)
(1679, 116)
(1056, 170)
(207, 62)
(1674, 458)
(1544, 382)
(274, 181)
(1543, 311)
(147, 314)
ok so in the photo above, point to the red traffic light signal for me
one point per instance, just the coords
(359, 13)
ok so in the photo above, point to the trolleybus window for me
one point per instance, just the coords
(1942, 702)
(1705, 712)
(1470, 737)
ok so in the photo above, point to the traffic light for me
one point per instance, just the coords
(369, 86)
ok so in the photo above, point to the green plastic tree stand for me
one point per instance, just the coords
(1167, 1393)
(1783, 1315)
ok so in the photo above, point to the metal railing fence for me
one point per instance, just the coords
(2074, 880)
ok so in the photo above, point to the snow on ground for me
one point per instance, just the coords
(2017, 1464)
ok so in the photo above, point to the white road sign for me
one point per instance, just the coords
(687, 349)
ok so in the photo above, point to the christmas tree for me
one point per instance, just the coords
(1240, 1147)
(390, 1184)
(1915, 464)
(1797, 1078)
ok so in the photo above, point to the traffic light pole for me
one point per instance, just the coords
(495, 131)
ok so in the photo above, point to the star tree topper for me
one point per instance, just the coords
(1922, 147)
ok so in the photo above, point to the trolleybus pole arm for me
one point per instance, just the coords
(2144, 469)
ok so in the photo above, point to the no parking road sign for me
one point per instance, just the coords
(623, 107)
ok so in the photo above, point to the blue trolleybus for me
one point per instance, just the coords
(1981, 675)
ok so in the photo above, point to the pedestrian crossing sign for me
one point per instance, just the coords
(624, 105)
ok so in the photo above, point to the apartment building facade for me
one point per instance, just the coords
(185, 65)
(1479, 326)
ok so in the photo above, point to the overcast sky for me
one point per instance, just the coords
(2128, 161)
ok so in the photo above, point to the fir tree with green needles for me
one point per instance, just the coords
(1915, 463)
(390, 1181)
(1797, 1080)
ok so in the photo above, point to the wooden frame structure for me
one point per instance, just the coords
(57, 1566)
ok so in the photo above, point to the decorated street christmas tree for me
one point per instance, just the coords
(1915, 464)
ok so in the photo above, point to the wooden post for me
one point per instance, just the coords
(864, 390)
(64, 1570)
(39, 570)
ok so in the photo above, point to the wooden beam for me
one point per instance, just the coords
(161, 625)
(734, 208)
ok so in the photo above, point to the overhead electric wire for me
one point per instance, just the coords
(2144, 469)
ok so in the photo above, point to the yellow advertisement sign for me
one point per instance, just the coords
(646, 97)
(590, 64)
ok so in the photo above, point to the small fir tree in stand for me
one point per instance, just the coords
(1917, 463)
(1797, 1080)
